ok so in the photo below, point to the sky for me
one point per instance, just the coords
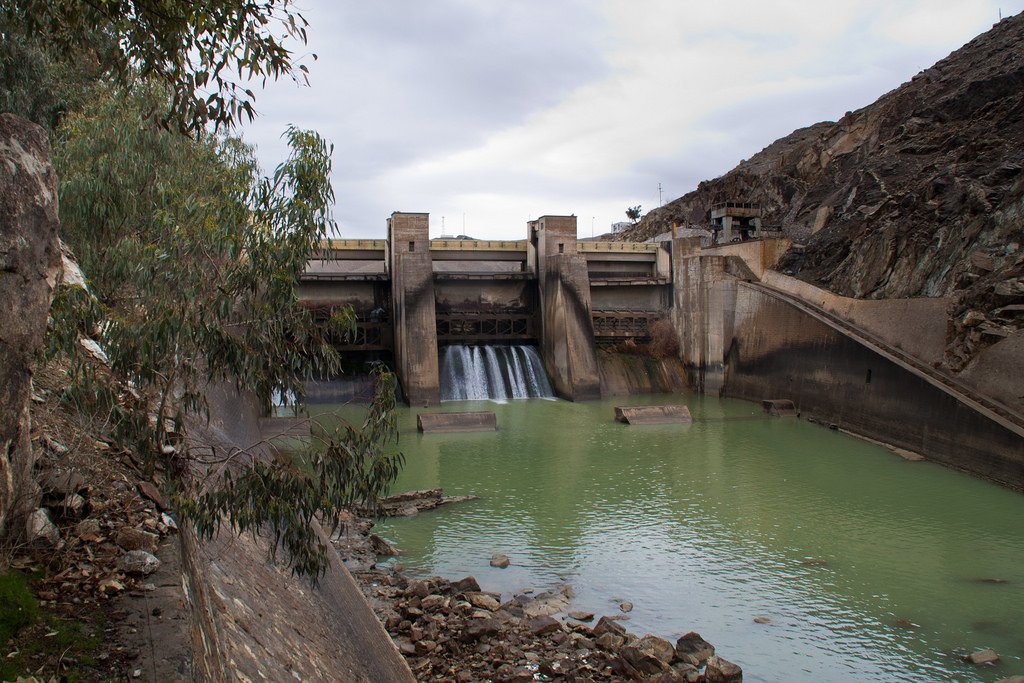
(489, 113)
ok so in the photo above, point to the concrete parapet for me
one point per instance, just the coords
(759, 255)
(653, 415)
(917, 326)
(779, 407)
(480, 421)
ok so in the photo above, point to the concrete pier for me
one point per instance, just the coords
(412, 303)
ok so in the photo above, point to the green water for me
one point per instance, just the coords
(868, 567)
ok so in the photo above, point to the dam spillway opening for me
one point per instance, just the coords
(497, 372)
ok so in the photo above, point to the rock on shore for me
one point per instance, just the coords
(454, 631)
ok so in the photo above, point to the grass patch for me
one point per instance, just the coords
(18, 608)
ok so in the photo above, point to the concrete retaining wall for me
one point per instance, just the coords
(777, 351)
(917, 326)
(251, 619)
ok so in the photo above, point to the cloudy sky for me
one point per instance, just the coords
(488, 113)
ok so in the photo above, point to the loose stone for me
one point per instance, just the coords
(499, 560)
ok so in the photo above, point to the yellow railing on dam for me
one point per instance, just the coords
(354, 244)
(618, 247)
(477, 245)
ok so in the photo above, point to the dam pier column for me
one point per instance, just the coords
(412, 301)
(703, 312)
(567, 327)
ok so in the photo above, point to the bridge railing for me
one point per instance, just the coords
(338, 244)
(477, 245)
(618, 247)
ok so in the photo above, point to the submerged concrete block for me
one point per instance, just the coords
(653, 415)
(480, 421)
(780, 407)
(285, 434)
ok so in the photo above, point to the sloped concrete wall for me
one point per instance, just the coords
(917, 326)
(251, 619)
(777, 351)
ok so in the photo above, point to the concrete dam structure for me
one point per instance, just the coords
(745, 331)
(413, 295)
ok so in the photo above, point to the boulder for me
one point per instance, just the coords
(150, 491)
(543, 625)
(649, 655)
(610, 641)
(483, 601)
(40, 530)
(480, 628)
(982, 657)
(719, 670)
(466, 585)
(88, 530)
(693, 649)
(136, 539)
(58, 484)
(138, 562)
(30, 261)
(606, 625)
(382, 547)
(499, 560)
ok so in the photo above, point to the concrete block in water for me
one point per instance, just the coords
(285, 434)
(653, 415)
(480, 421)
(780, 407)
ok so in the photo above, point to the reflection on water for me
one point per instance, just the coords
(866, 567)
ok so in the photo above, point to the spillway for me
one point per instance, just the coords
(492, 372)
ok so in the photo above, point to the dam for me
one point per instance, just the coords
(745, 331)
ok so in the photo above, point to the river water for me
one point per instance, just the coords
(865, 566)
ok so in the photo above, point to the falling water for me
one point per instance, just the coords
(496, 372)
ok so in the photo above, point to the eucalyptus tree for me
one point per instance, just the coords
(193, 261)
(202, 53)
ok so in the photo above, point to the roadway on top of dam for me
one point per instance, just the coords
(373, 253)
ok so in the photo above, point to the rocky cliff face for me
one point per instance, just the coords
(30, 264)
(918, 194)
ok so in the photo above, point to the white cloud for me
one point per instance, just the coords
(507, 111)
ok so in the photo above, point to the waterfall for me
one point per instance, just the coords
(495, 372)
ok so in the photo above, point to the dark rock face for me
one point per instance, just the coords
(30, 265)
(918, 194)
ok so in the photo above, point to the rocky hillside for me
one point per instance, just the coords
(918, 194)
